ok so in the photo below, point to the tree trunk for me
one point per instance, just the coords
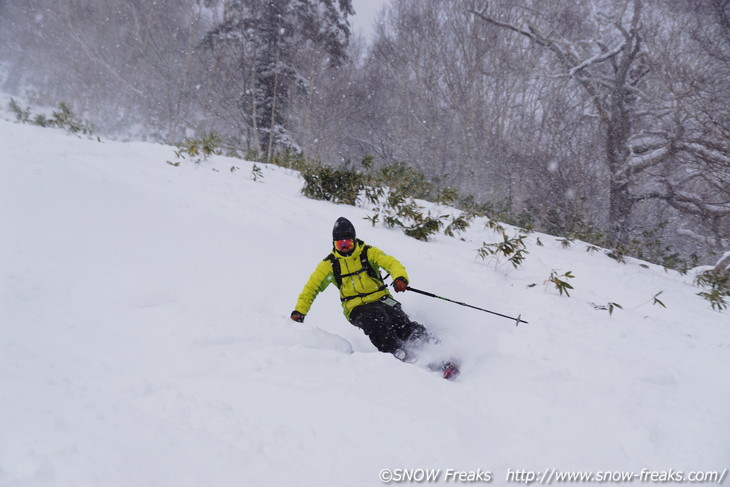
(272, 123)
(619, 212)
(618, 130)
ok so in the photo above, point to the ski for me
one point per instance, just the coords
(449, 369)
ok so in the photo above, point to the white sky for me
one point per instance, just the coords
(365, 11)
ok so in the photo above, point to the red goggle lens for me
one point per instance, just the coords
(344, 245)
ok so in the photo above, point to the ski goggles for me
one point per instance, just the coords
(344, 245)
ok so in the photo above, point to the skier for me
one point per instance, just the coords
(354, 268)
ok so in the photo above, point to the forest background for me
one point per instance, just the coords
(607, 121)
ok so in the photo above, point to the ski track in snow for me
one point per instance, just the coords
(145, 339)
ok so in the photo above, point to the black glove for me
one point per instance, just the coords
(400, 285)
(297, 316)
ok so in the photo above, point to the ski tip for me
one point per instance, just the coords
(450, 371)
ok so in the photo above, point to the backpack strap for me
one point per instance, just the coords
(336, 271)
(368, 267)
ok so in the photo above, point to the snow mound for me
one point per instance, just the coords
(145, 339)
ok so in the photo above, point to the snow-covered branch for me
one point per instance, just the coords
(598, 58)
(644, 140)
(684, 200)
(723, 265)
(638, 162)
(713, 153)
(700, 204)
(530, 34)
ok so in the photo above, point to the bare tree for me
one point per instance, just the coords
(122, 63)
(692, 62)
(653, 145)
(612, 113)
(452, 97)
(610, 72)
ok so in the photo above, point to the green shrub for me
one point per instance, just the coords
(336, 185)
(514, 249)
(717, 286)
(423, 227)
(63, 118)
(458, 224)
(560, 281)
(21, 115)
(608, 307)
(200, 149)
(287, 158)
(400, 210)
(256, 173)
(405, 179)
(66, 119)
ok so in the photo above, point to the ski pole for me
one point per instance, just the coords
(518, 320)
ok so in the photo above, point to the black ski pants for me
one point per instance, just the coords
(387, 325)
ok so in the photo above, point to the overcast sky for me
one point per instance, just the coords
(365, 11)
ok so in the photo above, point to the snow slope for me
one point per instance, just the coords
(145, 339)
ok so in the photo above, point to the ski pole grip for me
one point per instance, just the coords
(431, 295)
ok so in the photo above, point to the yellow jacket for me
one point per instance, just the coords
(357, 287)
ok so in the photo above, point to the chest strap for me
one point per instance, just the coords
(365, 267)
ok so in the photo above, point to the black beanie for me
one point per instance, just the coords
(343, 229)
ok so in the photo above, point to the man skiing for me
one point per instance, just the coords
(354, 268)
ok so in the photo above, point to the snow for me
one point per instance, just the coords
(145, 339)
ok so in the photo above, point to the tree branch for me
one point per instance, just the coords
(598, 58)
